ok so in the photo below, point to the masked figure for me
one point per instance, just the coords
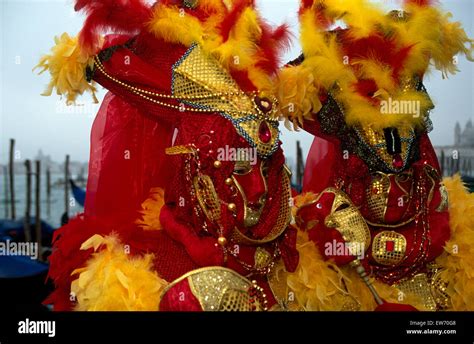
(187, 202)
(375, 203)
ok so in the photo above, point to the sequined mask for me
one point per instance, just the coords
(252, 209)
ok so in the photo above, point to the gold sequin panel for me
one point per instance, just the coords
(376, 140)
(221, 289)
(389, 247)
(418, 287)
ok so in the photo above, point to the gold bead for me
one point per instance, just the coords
(222, 241)
(229, 181)
(232, 207)
(217, 164)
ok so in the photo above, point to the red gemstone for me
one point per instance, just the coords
(397, 161)
(264, 133)
(390, 246)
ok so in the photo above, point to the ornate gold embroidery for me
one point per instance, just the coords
(377, 196)
(443, 205)
(376, 140)
(439, 286)
(176, 150)
(262, 258)
(198, 78)
(207, 197)
(389, 247)
(419, 287)
(222, 289)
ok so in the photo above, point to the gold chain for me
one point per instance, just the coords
(145, 94)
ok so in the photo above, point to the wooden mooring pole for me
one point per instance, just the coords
(66, 191)
(6, 192)
(48, 191)
(27, 220)
(12, 179)
(38, 209)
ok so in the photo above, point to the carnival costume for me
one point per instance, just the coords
(178, 215)
(377, 228)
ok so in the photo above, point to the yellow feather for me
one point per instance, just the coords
(239, 52)
(174, 26)
(114, 281)
(459, 250)
(426, 30)
(373, 69)
(361, 16)
(67, 66)
(297, 92)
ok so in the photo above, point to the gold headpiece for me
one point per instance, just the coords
(202, 83)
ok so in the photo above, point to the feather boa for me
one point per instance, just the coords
(112, 281)
(457, 260)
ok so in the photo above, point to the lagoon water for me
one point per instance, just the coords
(52, 213)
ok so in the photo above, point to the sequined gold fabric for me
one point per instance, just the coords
(389, 247)
(419, 287)
(377, 196)
(443, 205)
(176, 150)
(200, 77)
(220, 289)
(207, 197)
(375, 139)
(439, 286)
(346, 218)
(262, 258)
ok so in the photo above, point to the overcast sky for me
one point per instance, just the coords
(27, 31)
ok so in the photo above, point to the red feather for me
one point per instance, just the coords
(322, 20)
(305, 4)
(271, 44)
(124, 16)
(420, 2)
(378, 48)
(231, 18)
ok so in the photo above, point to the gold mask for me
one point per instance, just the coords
(347, 220)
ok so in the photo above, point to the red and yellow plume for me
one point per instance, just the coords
(371, 59)
(231, 30)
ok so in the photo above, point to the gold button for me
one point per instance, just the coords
(222, 241)
(232, 207)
